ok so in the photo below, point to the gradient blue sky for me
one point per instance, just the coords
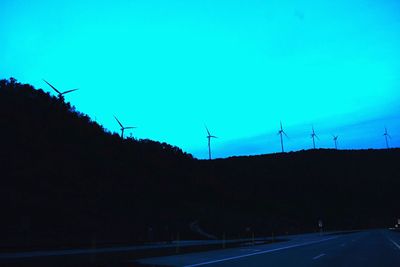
(239, 66)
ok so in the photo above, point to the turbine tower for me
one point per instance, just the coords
(386, 138)
(335, 137)
(209, 136)
(281, 132)
(59, 94)
(123, 128)
(313, 135)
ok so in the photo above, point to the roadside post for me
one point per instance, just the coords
(320, 225)
(177, 243)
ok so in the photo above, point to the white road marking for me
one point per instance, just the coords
(394, 243)
(319, 256)
(260, 252)
(253, 250)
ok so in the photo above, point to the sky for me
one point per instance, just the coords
(238, 66)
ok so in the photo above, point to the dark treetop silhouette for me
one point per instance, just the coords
(67, 181)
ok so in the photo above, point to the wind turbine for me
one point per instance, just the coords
(282, 132)
(335, 137)
(386, 138)
(123, 128)
(313, 135)
(60, 94)
(209, 136)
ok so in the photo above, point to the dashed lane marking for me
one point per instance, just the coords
(260, 252)
(394, 243)
(319, 256)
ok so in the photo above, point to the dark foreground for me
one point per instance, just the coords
(377, 248)
(120, 255)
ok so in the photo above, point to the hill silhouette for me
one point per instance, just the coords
(67, 181)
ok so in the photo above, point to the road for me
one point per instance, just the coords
(375, 248)
(110, 256)
(93, 250)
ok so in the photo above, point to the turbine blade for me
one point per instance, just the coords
(281, 126)
(69, 91)
(317, 137)
(52, 86)
(130, 127)
(120, 124)
(208, 132)
(285, 134)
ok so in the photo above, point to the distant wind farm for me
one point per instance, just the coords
(209, 136)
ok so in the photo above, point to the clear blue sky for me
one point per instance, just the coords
(239, 66)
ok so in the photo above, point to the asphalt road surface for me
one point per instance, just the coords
(375, 248)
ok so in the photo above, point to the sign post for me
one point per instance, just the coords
(320, 225)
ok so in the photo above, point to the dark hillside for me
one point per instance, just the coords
(61, 172)
(66, 181)
(291, 191)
